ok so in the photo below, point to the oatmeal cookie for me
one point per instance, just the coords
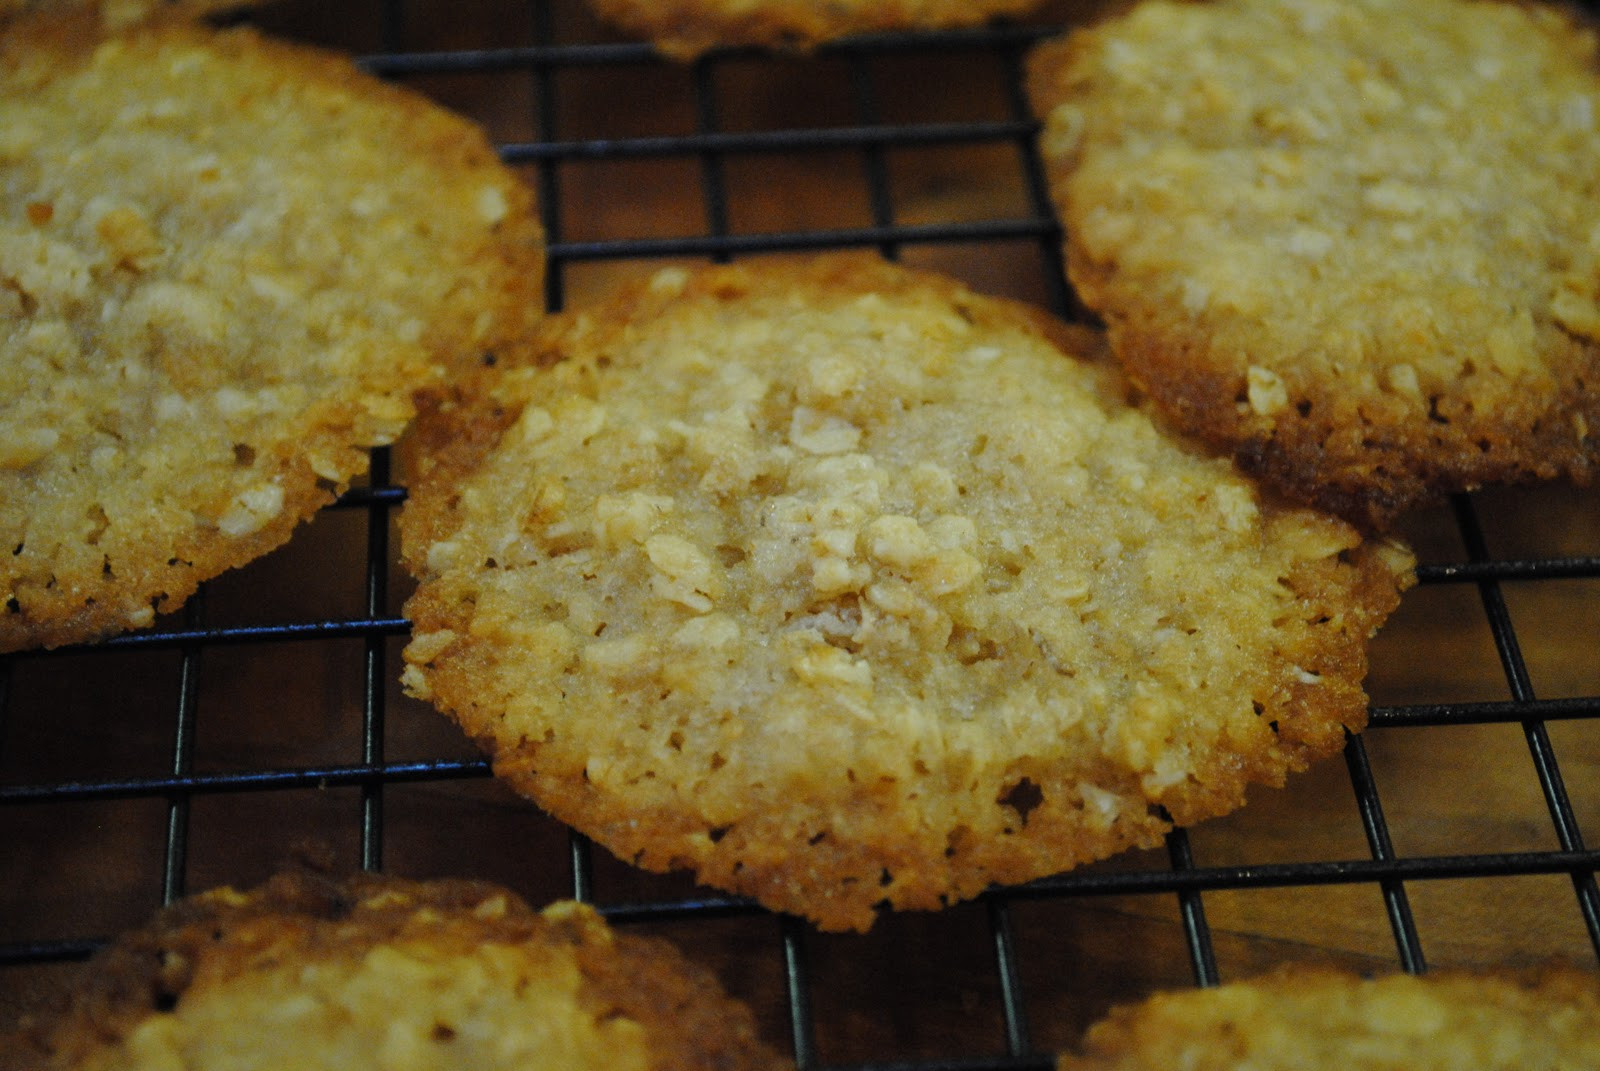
(838, 584)
(685, 28)
(120, 14)
(225, 266)
(374, 972)
(1357, 242)
(1303, 1018)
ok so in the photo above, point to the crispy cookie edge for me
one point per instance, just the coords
(684, 29)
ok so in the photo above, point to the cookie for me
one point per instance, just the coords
(374, 972)
(119, 14)
(1356, 242)
(839, 584)
(226, 264)
(685, 28)
(1302, 1018)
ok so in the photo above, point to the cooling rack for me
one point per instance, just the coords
(263, 723)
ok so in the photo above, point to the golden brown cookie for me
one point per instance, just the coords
(1357, 242)
(1304, 1019)
(120, 14)
(837, 583)
(226, 264)
(372, 972)
(685, 28)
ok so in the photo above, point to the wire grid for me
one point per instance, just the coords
(193, 640)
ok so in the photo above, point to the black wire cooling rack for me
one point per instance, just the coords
(264, 721)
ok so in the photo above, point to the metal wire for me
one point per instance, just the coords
(1377, 830)
(710, 148)
(1191, 908)
(177, 846)
(1538, 737)
(375, 669)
